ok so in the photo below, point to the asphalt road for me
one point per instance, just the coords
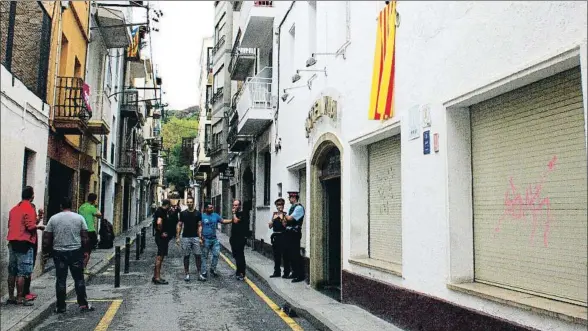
(221, 303)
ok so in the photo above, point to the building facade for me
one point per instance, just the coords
(202, 170)
(25, 111)
(476, 153)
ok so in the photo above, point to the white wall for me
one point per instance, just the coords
(444, 50)
(24, 124)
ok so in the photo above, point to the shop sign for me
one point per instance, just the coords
(325, 106)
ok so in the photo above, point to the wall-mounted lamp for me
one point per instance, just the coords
(278, 146)
(285, 95)
(296, 77)
(312, 59)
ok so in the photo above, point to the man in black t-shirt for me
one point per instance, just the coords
(162, 238)
(239, 234)
(190, 220)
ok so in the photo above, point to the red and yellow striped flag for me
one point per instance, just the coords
(382, 95)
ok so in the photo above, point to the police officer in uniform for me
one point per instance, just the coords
(293, 223)
(279, 240)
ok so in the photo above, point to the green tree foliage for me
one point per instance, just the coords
(176, 128)
(172, 131)
(177, 174)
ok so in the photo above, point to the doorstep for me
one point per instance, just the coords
(25, 318)
(319, 309)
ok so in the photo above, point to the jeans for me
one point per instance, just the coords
(74, 261)
(238, 249)
(210, 244)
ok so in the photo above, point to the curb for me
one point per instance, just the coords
(320, 324)
(31, 321)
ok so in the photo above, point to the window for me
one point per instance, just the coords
(279, 190)
(267, 165)
(208, 95)
(209, 59)
(219, 29)
(154, 160)
(218, 81)
(112, 153)
(28, 167)
(78, 69)
(105, 148)
(108, 72)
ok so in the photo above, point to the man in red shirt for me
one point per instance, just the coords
(22, 237)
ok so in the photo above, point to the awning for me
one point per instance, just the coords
(111, 24)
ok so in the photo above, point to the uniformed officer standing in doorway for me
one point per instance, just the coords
(279, 240)
(293, 223)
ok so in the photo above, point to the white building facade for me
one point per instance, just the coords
(471, 197)
(25, 119)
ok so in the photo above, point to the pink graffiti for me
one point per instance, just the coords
(518, 207)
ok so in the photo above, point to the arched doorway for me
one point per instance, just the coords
(325, 218)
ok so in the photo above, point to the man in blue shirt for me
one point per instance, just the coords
(208, 240)
(293, 223)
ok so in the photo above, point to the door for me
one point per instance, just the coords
(333, 230)
(60, 185)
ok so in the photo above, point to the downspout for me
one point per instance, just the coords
(58, 55)
(278, 64)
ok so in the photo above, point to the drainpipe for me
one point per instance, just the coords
(58, 55)
(278, 73)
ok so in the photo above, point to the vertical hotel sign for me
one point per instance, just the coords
(382, 94)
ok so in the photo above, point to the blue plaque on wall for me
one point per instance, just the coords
(426, 142)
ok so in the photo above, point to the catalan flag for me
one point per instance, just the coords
(382, 94)
(133, 50)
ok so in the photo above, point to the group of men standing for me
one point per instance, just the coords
(68, 237)
(286, 236)
(195, 232)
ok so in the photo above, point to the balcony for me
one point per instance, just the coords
(236, 142)
(255, 105)
(129, 106)
(156, 143)
(72, 110)
(257, 24)
(154, 173)
(130, 162)
(242, 61)
(219, 44)
(99, 124)
(217, 96)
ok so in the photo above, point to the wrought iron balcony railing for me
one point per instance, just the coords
(217, 96)
(72, 100)
(220, 43)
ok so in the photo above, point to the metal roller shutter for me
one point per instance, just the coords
(529, 189)
(385, 215)
(302, 190)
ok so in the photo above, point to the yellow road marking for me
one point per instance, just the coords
(287, 319)
(108, 316)
(95, 300)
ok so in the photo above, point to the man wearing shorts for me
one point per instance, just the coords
(189, 221)
(162, 238)
(22, 238)
(89, 211)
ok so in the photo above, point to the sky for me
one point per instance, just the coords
(176, 48)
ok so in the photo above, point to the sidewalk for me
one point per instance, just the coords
(22, 318)
(309, 303)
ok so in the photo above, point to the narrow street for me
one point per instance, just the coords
(221, 303)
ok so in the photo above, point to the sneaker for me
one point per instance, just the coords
(86, 308)
(202, 278)
(213, 273)
(31, 296)
(187, 278)
(297, 280)
(240, 277)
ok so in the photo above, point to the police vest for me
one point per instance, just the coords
(293, 225)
